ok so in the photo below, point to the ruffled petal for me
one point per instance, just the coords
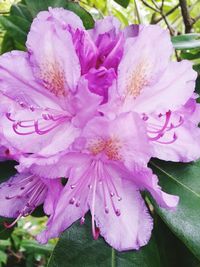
(123, 139)
(174, 89)
(124, 223)
(137, 70)
(146, 180)
(51, 68)
(71, 206)
(19, 83)
(86, 50)
(84, 104)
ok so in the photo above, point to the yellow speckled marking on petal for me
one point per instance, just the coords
(138, 78)
(111, 147)
(53, 77)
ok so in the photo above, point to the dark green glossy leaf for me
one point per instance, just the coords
(38, 212)
(171, 249)
(86, 17)
(186, 41)
(35, 6)
(21, 10)
(182, 180)
(123, 3)
(77, 248)
(7, 44)
(6, 171)
(17, 27)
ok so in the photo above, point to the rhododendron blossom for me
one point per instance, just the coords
(161, 91)
(94, 106)
(111, 158)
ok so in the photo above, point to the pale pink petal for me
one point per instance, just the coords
(102, 26)
(186, 147)
(20, 85)
(50, 138)
(146, 180)
(123, 139)
(71, 206)
(53, 62)
(175, 87)
(21, 194)
(61, 16)
(54, 189)
(129, 225)
(84, 104)
(139, 69)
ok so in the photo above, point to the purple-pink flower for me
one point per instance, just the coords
(94, 106)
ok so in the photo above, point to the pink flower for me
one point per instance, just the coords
(22, 193)
(160, 91)
(51, 101)
(105, 176)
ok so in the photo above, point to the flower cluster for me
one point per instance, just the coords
(94, 106)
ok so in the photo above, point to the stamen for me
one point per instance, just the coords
(165, 128)
(34, 124)
(6, 225)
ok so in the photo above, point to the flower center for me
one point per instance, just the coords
(53, 77)
(138, 78)
(111, 147)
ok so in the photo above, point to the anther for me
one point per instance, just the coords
(118, 212)
(72, 200)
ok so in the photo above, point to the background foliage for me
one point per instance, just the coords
(176, 236)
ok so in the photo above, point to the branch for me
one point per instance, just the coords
(196, 19)
(149, 6)
(167, 14)
(188, 21)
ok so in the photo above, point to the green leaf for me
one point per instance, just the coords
(6, 171)
(77, 248)
(123, 3)
(171, 249)
(35, 6)
(7, 44)
(17, 27)
(182, 180)
(21, 10)
(3, 257)
(86, 17)
(186, 41)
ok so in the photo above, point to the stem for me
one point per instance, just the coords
(188, 21)
(113, 258)
(167, 14)
(137, 12)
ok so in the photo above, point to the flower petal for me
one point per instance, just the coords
(146, 180)
(54, 189)
(21, 194)
(54, 70)
(19, 84)
(131, 227)
(138, 70)
(175, 87)
(70, 207)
